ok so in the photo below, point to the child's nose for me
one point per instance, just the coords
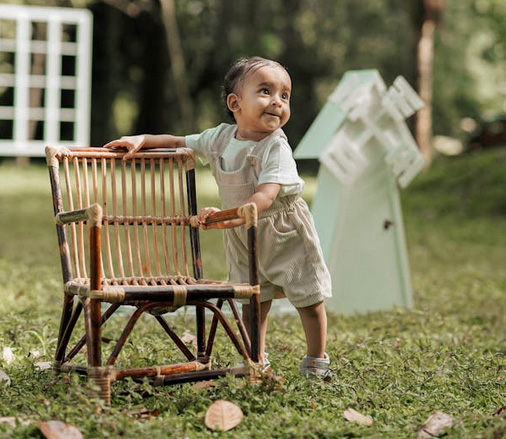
(276, 99)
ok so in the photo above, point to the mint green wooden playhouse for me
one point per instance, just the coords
(366, 152)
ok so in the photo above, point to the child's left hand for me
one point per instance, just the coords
(204, 214)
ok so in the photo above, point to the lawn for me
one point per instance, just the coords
(446, 354)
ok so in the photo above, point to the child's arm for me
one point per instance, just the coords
(264, 197)
(135, 143)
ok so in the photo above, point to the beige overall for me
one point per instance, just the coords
(290, 259)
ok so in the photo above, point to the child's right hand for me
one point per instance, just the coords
(131, 143)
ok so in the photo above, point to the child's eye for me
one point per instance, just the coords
(264, 91)
(285, 96)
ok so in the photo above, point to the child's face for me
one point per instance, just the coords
(262, 103)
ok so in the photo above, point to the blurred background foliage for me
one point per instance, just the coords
(158, 64)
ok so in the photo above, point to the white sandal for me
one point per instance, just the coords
(315, 367)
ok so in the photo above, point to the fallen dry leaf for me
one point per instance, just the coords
(43, 365)
(434, 425)
(204, 384)
(272, 381)
(501, 412)
(12, 421)
(223, 415)
(5, 377)
(59, 430)
(8, 355)
(354, 416)
(189, 339)
(142, 413)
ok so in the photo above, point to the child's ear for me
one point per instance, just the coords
(233, 102)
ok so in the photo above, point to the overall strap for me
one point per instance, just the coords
(218, 147)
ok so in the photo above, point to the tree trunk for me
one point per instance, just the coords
(423, 129)
(106, 71)
(425, 54)
(155, 113)
(177, 63)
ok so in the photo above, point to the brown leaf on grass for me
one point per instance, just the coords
(142, 413)
(189, 339)
(354, 416)
(204, 384)
(5, 378)
(34, 354)
(223, 415)
(273, 382)
(43, 365)
(59, 430)
(434, 425)
(8, 355)
(501, 411)
(12, 421)
(43, 401)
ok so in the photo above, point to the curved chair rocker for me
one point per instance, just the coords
(127, 235)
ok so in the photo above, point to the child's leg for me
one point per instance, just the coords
(264, 310)
(314, 322)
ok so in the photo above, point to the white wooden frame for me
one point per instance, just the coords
(16, 139)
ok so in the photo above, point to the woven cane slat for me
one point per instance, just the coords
(145, 215)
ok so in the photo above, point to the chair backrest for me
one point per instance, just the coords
(147, 202)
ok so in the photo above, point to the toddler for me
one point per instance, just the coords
(252, 161)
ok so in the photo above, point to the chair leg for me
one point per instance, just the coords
(79, 345)
(186, 352)
(66, 332)
(68, 304)
(201, 333)
(240, 325)
(255, 327)
(218, 316)
(99, 375)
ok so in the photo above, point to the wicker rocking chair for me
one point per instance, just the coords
(127, 235)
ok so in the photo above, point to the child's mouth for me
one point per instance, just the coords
(274, 115)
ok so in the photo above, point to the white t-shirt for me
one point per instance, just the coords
(278, 165)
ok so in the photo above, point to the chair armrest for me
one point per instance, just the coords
(248, 212)
(93, 214)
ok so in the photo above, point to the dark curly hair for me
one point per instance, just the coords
(238, 73)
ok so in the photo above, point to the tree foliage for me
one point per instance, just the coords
(317, 40)
(470, 77)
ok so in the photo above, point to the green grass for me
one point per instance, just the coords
(447, 353)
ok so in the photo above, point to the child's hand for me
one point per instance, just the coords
(131, 143)
(204, 214)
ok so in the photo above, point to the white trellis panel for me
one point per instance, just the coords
(45, 76)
